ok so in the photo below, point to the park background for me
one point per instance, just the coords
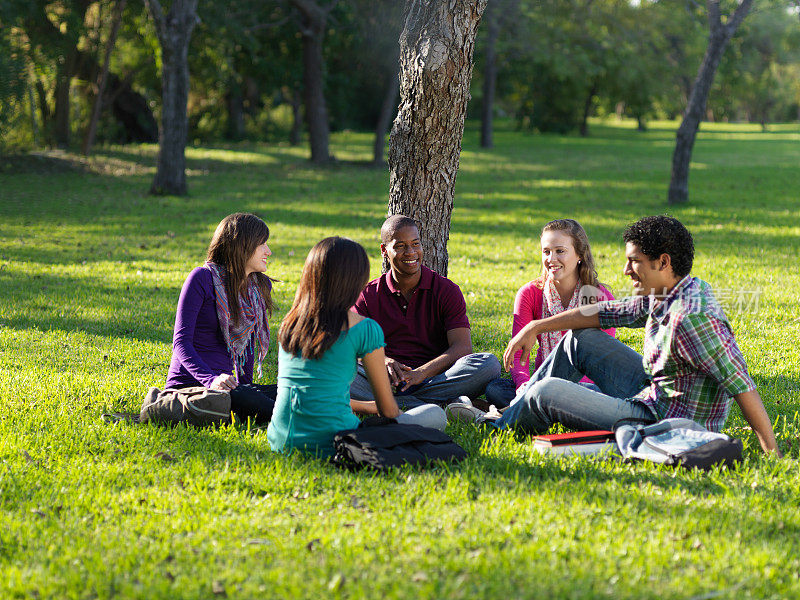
(91, 265)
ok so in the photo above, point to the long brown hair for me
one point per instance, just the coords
(587, 274)
(236, 238)
(335, 272)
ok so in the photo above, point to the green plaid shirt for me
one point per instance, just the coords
(694, 364)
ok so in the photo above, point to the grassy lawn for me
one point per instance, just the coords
(90, 271)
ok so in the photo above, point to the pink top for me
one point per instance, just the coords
(528, 307)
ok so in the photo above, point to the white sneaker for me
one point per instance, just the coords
(464, 413)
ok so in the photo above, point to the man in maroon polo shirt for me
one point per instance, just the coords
(424, 320)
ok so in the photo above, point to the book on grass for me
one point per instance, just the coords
(576, 442)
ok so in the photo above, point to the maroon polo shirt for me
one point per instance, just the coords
(415, 331)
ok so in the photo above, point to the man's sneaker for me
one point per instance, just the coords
(493, 413)
(464, 413)
(463, 400)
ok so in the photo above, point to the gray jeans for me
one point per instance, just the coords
(427, 415)
(467, 377)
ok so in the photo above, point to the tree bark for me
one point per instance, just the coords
(587, 108)
(64, 74)
(297, 117)
(34, 123)
(385, 118)
(101, 84)
(492, 18)
(132, 111)
(436, 49)
(312, 28)
(234, 101)
(44, 110)
(174, 30)
(718, 38)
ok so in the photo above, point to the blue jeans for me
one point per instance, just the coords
(467, 377)
(501, 392)
(553, 394)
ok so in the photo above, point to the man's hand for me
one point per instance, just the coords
(396, 370)
(525, 341)
(412, 377)
(224, 382)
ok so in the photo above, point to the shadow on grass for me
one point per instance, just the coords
(600, 487)
(134, 310)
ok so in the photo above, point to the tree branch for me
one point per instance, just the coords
(714, 17)
(154, 6)
(738, 16)
(260, 26)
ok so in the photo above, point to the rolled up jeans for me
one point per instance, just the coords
(553, 394)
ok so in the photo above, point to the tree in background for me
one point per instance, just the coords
(13, 72)
(719, 35)
(379, 23)
(245, 58)
(312, 21)
(436, 48)
(757, 78)
(60, 42)
(558, 62)
(174, 29)
(91, 131)
(498, 16)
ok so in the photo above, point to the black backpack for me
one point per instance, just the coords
(381, 443)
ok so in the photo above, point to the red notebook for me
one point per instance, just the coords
(576, 442)
(574, 437)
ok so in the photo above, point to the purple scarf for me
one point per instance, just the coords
(252, 321)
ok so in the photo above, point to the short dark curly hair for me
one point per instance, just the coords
(659, 235)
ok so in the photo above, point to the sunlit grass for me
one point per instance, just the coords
(90, 271)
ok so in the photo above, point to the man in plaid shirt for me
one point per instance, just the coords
(691, 366)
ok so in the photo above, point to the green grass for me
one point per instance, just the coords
(90, 270)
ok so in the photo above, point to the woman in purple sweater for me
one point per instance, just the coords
(568, 280)
(221, 323)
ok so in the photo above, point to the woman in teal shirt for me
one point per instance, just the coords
(321, 340)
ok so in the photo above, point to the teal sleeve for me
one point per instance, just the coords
(371, 337)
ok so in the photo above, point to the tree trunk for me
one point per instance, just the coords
(492, 18)
(436, 49)
(718, 38)
(44, 112)
(101, 84)
(64, 74)
(34, 123)
(234, 101)
(132, 111)
(385, 118)
(312, 28)
(297, 118)
(174, 33)
(587, 108)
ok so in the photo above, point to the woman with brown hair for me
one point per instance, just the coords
(321, 340)
(221, 322)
